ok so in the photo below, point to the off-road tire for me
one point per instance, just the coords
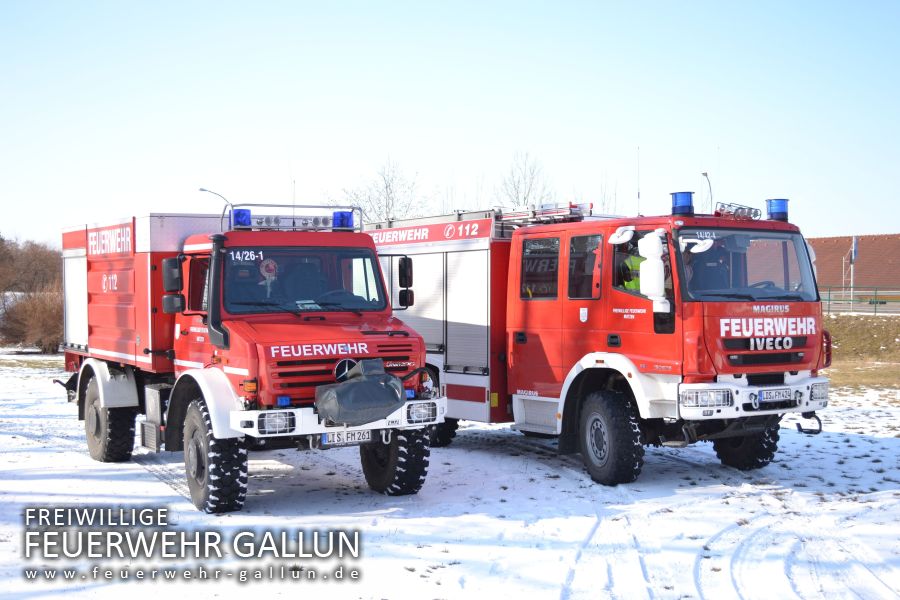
(748, 452)
(443, 433)
(398, 468)
(109, 431)
(610, 438)
(216, 469)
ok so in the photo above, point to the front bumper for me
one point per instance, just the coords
(305, 421)
(749, 400)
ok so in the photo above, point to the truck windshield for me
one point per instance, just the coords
(724, 265)
(266, 279)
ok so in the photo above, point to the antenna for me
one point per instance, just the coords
(639, 180)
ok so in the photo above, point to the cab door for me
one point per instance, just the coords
(651, 340)
(583, 317)
(534, 337)
(192, 347)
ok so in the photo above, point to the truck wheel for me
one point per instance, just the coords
(398, 468)
(216, 468)
(748, 452)
(443, 433)
(610, 438)
(109, 431)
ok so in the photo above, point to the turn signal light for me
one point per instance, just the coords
(249, 386)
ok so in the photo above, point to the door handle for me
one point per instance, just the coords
(520, 337)
(613, 340)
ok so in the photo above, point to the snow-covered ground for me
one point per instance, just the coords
(501, 515)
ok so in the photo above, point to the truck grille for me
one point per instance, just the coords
(300, 378)
(744, 343)
(765, 378)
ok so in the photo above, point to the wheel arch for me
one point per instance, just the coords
(587, 380)
(117, 386)
(213, 386)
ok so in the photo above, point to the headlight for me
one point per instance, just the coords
(421, 412)
(706, 398)
(819, 391)
(276, 421)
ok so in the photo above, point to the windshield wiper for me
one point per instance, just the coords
(355, 311)
(255, 303)
(784, 297)
(735, 295)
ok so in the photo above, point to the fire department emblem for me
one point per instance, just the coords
(342, 369)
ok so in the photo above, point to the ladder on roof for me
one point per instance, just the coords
(557, 213)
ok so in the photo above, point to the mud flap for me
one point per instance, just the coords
(71, 387)
(368, 394)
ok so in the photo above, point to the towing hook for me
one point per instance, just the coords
(810, 431)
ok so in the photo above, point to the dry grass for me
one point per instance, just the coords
(866, 351)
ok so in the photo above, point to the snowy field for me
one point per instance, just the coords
(500, 515)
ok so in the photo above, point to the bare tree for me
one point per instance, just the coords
(607, 202)
(391, 195)
(524, 185)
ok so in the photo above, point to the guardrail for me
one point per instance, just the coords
(865, 300)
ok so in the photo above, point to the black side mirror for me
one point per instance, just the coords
(406, 298)
(173, 304)
(406, 272)
(171, 273)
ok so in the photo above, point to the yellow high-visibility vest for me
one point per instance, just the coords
(633, 264)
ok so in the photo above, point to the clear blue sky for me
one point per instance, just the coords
(118, 108)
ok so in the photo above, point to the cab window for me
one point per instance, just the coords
(540, 268)
(584, 266)
(198, 286)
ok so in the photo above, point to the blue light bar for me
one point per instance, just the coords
(240, 217)
(284, 400)
(777, 209)
(342, 219)
(683, 203)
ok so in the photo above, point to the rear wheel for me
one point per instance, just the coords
(398, 468)
(443, 433)
(216, 468)
(750, 451)
(610, 438)
(109, 431)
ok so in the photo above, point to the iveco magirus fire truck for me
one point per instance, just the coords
(246, 328)
(616, 333)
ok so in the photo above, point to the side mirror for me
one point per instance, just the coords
(173, 304)
(406, 298)
(622, 235)
(653, 272)
(171, 274)
(405, 273)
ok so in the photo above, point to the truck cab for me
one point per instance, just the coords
(700, 327)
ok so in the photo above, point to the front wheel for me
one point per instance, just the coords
(750, 451)
(610, 438)
(216, 468)
(399, 467)
(109, 431)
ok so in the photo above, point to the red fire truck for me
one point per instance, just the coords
(615, 333)
(244, 328)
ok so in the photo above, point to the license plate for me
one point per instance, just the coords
(774, 395)
(346, 438)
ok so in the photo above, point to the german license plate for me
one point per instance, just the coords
(346, 438)
(775, 395)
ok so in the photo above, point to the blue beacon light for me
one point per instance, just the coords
(683, 203)
(777, 209)
(284, 400)
(342, 219)
(240, 217)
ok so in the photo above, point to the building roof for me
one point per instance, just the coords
(877, 261)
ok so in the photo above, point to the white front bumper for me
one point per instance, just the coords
(305, 421)
(800, 387)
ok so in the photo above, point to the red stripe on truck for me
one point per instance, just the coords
(469, 393)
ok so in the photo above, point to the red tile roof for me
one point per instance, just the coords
(877, 263)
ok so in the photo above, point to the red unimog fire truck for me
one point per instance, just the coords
(262, 327)
(615, 333)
